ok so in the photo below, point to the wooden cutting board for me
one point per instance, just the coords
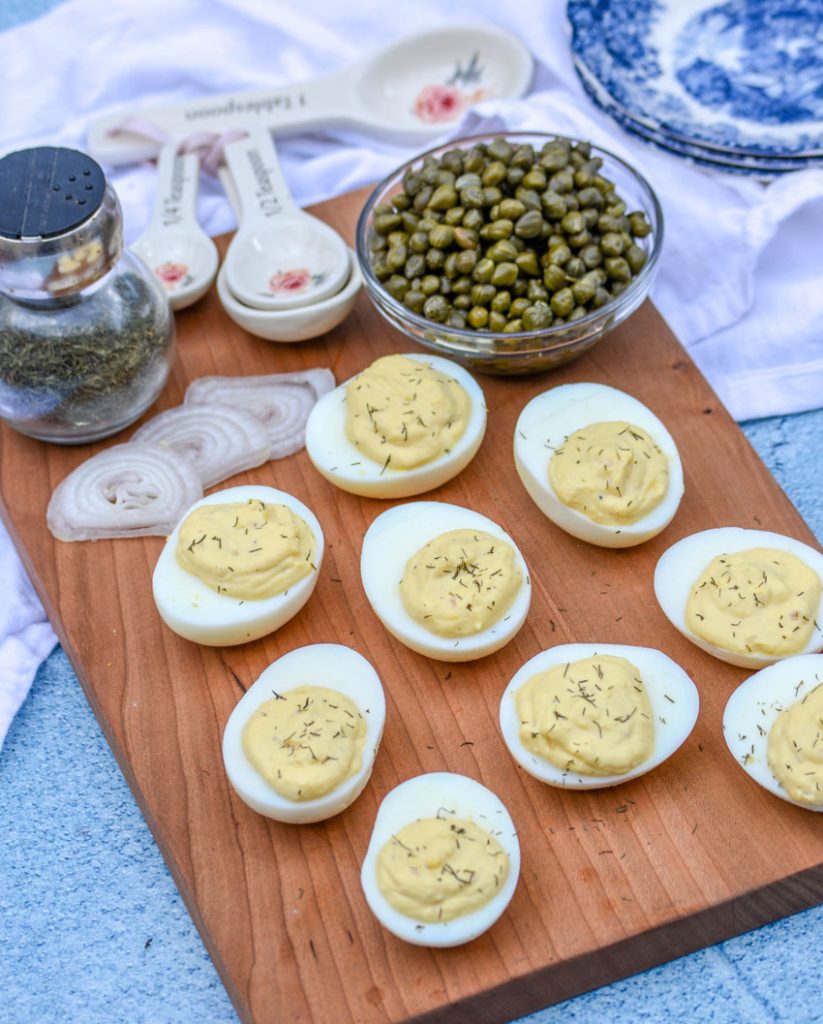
(612, 881)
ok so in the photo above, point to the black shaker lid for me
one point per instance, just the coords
(47, 191)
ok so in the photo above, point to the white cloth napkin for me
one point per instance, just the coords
(738, 280)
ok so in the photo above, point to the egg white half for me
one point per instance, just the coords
(679, 567)
(544, 424)
(673, 697)
(195, 611)
(753, 707)
(390, 542)
(346, 466)
(443, 794)
(331, 665)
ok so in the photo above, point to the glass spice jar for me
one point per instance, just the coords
(86, 331)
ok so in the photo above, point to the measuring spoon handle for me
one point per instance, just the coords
(308, 104)
(178, 180)
(263, 191)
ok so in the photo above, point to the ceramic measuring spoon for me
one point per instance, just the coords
(174, 246)
(281, 256)
(409, 91)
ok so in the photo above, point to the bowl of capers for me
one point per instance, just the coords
(510, 254)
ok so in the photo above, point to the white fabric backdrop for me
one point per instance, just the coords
(739, 276)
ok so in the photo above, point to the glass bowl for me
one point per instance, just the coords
(523, 351)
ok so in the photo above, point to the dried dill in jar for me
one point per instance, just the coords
(86, 333)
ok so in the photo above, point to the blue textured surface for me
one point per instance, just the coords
(93, 930)
(745, 74)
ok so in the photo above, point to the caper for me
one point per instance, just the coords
(430, 284)
(618, 287)
(494, 174)
(583, 290)
(497, 321)
(554, 205)
(445, 285)
(529, 225)
(483, 270)
(381, 270)
(577, 312)
(472, 197)
(612, 244)
(473, 220)
(562, 302)
(617, 268)
(502, 251)
(537, 317)
(501, 302)
(511, 209)
(450, 265)
(514, 175)
(412, 183)
(529, 197)
(523, 156)
(465, 261)
(475, 161)
(513, 327)
(421, 199)
(396, 257)
(456, 319)
(601, 297)
(590, 216)
(414, 300)
(535, 179)
(462, 285)
(428, 222)
(505, 274)
(498, 229)
(560, 254)
(441, 236)
(555, 158)
(639, 226)
(573, 222)
(553, 277)
(527, 263)
(517, 307)
(386, 222)
(520, 287)
(491, 195)
(482, 294)
(397, 286)
(636, 258)
(561, 181)
(435, 259)
(574, 268)
(536, 291)
(579, 240)
(436, 308)
(467, 181)
(397, 238)
(462, 301)
(415, 266)
(454, 216)
(478, 316)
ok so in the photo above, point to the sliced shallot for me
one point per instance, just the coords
(282, 401)
(219, 440)
(129, 490)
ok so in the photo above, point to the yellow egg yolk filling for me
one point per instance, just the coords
(437, 869)
(306, 742)
(795, 748)
(589, 717)
(248, 550)
(460, 583)
(611, 472)
(402, 413)
(758, 601)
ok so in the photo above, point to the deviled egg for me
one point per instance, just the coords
(748, 597)
(301, 744)
(443, 860)
(588, 716)
(444, 580)
(599, 464)
(404, 425)
(239, 564)
(772, 726)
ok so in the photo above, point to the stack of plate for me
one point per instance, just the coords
(734, 85)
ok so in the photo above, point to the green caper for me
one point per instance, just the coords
(513, 327)
(414, 300)
(520, 287)
(397, 238)
(419, 242)
(618, 287)
(617, 268)
(441, 236)
(612, 244)
(397, 286)
(601, 297)
(380, 268)
(415, 266)
(536, 291)
(482, 294)
(529, 197)
(430, 284)
(396, 257)
(498, 229)
(483, 270)
(465, 261)
(514, 175)
(574, 268)
(529, 225)
(445, 285)
(456, 319)
(560, 254)
(472, 197)
(573, 222)
(462, 302)
(590, 217)
(535, 179)
(478, 317)
(554, 278)
(491, 195)
(555, 158)
(502, 251)
(450, 265)
(537, 317)
(636, 258)
(452, 160)
(562, 302)
(386, 222)
(454, 216)
(639, 226)
(527, 263)
(562, 181)
(583, 290)
(466, 238)
(462, 285)
(467, 181)
(523, 156)
(473, 220)
(501, 302)
(554, 205)
(497, 321)
(577, 312)
(579, 240)
(494, 173)
(505, 274)
(421, 199)
(475, 161)
(412, 183)
(518, 307)
(436, 308)
(511, 209)
(435, 259)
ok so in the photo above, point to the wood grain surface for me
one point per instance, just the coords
(612, 881)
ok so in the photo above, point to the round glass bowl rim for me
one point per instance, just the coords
(477, 338)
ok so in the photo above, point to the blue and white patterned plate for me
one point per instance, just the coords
(763, 170)
(740, 76)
